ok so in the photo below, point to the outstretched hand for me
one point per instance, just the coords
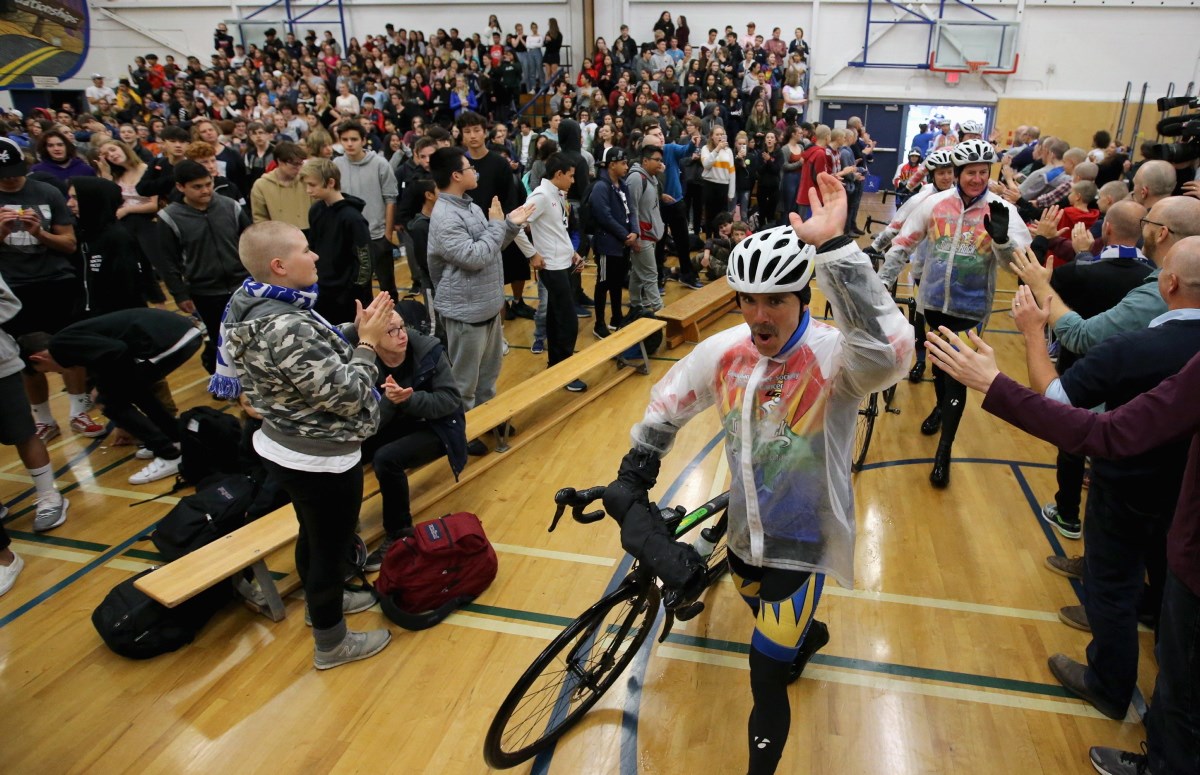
(1028, 315)
(1036, 275)
(974, 368)
(828, 219)
(996, 222)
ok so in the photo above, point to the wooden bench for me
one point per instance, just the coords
(252, 545)
(698, 309)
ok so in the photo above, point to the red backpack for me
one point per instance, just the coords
(444, 565)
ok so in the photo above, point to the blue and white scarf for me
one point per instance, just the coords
(225, 382)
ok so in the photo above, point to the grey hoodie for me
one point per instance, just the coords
(10, 358)
(644, 196)
(314, 390)
(464, 259)
(370, 179)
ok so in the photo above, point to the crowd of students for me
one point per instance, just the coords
(675, 149)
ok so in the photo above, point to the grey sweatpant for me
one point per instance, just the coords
(643, 278)
(475, 353)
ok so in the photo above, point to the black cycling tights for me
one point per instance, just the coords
(791, 598)
(951, 394)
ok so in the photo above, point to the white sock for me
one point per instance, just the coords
(81, 403)
(43, 480)
(41, 413)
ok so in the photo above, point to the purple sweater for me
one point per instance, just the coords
(1167, 413)
(77, 167)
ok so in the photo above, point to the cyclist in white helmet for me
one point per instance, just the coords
(971, 232)
(939, 169)
(787, 389)
(970, 130)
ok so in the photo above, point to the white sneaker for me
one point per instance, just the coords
(144, 453)
(50, 514)
(9, 573)
(159, 468)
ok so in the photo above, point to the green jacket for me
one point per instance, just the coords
(1141, 305)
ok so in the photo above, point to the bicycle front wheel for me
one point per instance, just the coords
(867, 411)
(571, 675)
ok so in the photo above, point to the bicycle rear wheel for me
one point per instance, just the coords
(571, 675)
(868, 410)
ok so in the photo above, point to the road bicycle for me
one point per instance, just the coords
(589, 655)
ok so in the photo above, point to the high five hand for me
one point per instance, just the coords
(828, 219)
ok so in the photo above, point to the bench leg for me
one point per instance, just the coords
(502, 437)
(273, 602)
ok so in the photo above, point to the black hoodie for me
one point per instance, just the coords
(340, 236)
(112, 276)
(570, 144)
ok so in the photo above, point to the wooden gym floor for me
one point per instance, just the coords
(936, 663)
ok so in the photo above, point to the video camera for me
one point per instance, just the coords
(1185, 126)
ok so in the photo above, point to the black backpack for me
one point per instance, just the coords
(587, 221)
(415, 315)
(217, 508)
(209, 440)
(135, 626)
(652, 342)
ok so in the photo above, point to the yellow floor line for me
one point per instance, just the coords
(503, 626)
(585, 559)
(945, 605)
(79, 558)
(88, 485)
(895, 685)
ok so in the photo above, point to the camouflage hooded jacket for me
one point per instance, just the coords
(314, 390)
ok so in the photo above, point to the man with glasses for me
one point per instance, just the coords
(645, 199)
(279, 195)
(1168, 221)
(466, 268)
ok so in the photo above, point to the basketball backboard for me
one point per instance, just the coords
(983, 46)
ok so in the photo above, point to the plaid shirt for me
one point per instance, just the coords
(1056, 194)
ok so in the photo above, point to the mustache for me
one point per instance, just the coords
(765, 329)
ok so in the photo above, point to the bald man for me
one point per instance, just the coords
(1131, 501)
(314, 386)
(1168, 221)
(1153, 182)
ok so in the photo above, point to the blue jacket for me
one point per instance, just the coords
(614, 221)
(673, 155)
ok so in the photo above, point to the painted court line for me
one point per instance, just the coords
(945, 605)
(895, 685)
(80, 558)
(549, 554)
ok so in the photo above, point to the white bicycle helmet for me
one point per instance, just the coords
(973, 152)
(914, 152)
(971, 128)
(771, 261)
(939, 160)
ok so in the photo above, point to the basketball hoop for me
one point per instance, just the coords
(975, 67)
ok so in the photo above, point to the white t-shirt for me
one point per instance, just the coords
(94, 93)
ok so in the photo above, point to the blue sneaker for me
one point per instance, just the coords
(539, 346)
(693, 283)
(582, 311)
(577, 386)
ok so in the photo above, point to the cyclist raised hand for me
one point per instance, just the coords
(787, 390)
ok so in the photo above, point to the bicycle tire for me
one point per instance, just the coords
(889, 395)
(559, 703)
(867, 412)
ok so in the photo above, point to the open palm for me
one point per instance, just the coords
(828, 219)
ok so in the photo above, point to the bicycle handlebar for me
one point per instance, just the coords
(578, 500)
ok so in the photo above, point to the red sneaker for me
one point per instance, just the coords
(84, 425)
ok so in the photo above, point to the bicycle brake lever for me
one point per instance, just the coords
(668, 622)
(588, 518)
(557, 516)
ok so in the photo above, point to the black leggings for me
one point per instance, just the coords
(327, 508)
(610, 279)
(771, 717)
(951, 394)
(768, 202)
(716, 201)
